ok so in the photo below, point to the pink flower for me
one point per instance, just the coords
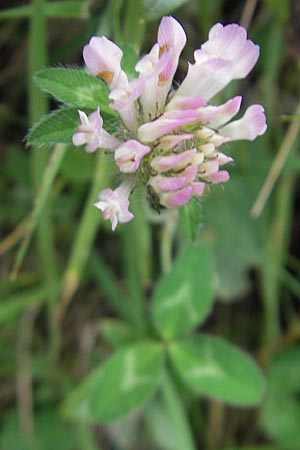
(129, 155)
(123, 102)
(171, 137)
(114, 204)
(226, 56)
(90, 132)
(158, 67)
(103, 59)
(230, 43)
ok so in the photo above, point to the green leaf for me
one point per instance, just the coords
(280, 415)
(190, 218)
(183, 298)
(123, 382)
(234, 238)
(155, 9)
(159, 425)
(284, 370)
(75, 87)
(57, 127)
(117, 333)
(212, 367)
(280, 419)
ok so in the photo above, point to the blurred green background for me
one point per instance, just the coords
(75, 271)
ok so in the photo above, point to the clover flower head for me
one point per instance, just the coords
(172, 136)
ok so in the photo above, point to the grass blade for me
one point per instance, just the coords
(39, 204)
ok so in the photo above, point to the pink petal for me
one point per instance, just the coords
(198, 188)
(166, 184)
(103, 59)
(176, 161)
(159, 66)
(224, 159)
(78, 139)
(124, 99)
(114, 204)
(102, 55)
(227, 55)
(219, 177)
(171, 39)
(185, 102)
(230, 43)
(176, 199)
(206, 79)
(124, 96)
(171, 34)
(172, 140)
(190, 173)
(209, 167)
(83, 118)
(251, 125)
(169, 121)
(128, 155)
(95, 119)
(223, 113)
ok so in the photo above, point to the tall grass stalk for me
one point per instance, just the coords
(38, 106)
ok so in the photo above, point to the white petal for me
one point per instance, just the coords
(206, 79)
(251, 125)
(79, 139)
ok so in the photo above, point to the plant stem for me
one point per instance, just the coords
(166, 241)
(177, 415)
(283, 152)
(38, 106)
(85, 235)
(137, 257)
(278, 240)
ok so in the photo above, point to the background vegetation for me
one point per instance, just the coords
(74, 292)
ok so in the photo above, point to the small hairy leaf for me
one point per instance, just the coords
(184, 297)
(57, 127)
(215, 368)
(123, 382)
(75, 87)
